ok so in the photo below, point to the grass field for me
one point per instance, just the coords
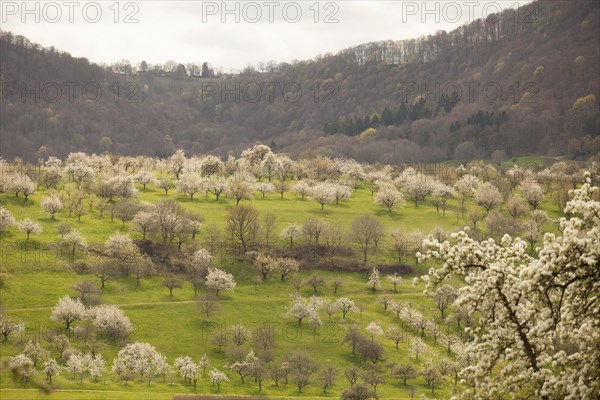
(37, 277)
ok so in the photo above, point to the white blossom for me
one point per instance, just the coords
(219, 280)
(68, 311)
(539, 328)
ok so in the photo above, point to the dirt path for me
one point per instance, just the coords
(122, 305)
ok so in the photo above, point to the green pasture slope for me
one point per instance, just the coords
(36, 278)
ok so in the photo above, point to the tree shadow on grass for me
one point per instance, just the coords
(384, 213)
(18, 201)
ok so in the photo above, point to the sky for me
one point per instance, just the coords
(232, 34)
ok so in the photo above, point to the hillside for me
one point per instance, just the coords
(427, 99)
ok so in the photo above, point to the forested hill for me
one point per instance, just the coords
(427, 99)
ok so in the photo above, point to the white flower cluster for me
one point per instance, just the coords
(539, 319)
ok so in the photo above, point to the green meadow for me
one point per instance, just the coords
(36, 276)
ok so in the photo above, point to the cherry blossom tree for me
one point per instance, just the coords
(539, 316)
(29, 227)
(220, 280)
(217, 377)
(77, 364)
(51, 205)
(216, 186)
(35, 352)
(395, 279)
(301, 308)
(517, 206)
(145, 177)
(190, 184)
(374, 278)
(176, 163)
(340, 192)
(533, 193)
(440, 194)
(389, 197)
(6, 219)
(287, 265)
(488, 196)
(144, 221)
(96, 366)
(240, 189)
(374, 329)
(141, 358)
(345, 305)
(264, 265)
(416, 185)
(51, 369)
(110, 320)
(301, 188)
(417, 347)
(395, 334)
(323, 193)
(290, 232)
(68, 311)
(264, 188)
(22, 183)
(200, 263)
(9, 328)
(73, 240)
(22, 367)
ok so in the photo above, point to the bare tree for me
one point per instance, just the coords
(220, 340)
(444, 296)
(172, 282)
(314, 228)
(432, 377)
(213, 237)
(126, 210)
(404, 372)
(352, 374)
(242, 223)
(366, 231)
(353, 336)
(208, 305)
(316, 282)
(268, 225)
(105, 271)
(302, 367)
(297, 283)
(85, 288)
(371, 377)
(327, 377)
(336, 284)
(166, 184)
(358, 392)
(394, 334)
(475, 215)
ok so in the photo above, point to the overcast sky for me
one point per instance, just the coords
(197, 31)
